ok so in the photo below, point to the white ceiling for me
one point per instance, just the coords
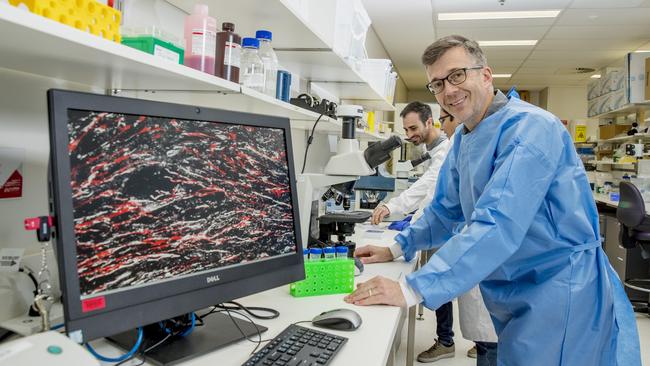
(587, 33)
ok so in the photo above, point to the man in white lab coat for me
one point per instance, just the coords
(418, 126)
(419, 129)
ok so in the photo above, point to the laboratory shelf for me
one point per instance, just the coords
(360, 93)
(272, 106)
(41, 46)
(324, 180)
(365, 135)
(626, 138)
(290, 29)
(37, 45)
(333, 73)
(300, 48)
(609, 163)
(625, 110)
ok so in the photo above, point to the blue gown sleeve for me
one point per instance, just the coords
(440, 218)
(502, 215)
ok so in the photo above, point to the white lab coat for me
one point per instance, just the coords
(420, 193)
(475, 321)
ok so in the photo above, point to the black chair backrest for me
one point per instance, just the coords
(631, 208)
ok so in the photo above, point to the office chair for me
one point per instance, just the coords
(635, 231)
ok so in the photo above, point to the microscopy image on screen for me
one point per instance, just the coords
(157, 198)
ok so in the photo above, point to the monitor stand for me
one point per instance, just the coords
(218, 331)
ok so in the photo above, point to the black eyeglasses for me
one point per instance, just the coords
(456, 77)
(443, 119)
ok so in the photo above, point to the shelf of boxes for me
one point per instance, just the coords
(636, 108)
(625, 138)
(599, 162)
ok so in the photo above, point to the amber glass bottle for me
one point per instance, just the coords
(228, 53)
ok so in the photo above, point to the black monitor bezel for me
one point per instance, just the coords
(145, 305)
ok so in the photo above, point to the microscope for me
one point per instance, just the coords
(340, 224)
(349, 160)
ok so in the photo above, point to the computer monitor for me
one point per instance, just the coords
(164, 209)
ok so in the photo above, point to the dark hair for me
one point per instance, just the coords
(423, 110)
(444, 44)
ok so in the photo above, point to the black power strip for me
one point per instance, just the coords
(324, 107)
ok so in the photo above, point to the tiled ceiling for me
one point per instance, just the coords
(587, 33)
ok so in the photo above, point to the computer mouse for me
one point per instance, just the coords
(339, 319)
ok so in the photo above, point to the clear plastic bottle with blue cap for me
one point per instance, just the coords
(330, 253)
(252, 68)
(315, 254)
(305, 254)
(270, 61)
(341, 253)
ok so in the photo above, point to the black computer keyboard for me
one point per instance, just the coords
(298, 346)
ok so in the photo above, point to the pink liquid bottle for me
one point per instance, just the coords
(200, 39)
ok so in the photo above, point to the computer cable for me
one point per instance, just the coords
(26, 270)
(309, 141)
(221, 308)
(178, 327)
(249, 310)
(143, 353)
(259, 340)
(125, 356)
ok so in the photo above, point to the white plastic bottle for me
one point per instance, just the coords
(252, 68)
(200, 40)
(315, 254)
(342, 253)
(270, 61)
(330, 253)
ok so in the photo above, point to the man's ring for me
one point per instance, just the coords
(369, 292)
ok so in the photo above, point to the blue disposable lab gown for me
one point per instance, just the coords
(532, 242)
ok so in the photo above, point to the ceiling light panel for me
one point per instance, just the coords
(499, 15)
(524, 42)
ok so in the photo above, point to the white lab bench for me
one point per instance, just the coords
(603, 198)
(374, 343)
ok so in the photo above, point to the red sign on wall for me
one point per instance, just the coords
(11, 172)
(13, 187)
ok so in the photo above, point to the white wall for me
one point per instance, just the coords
(567, 102)
(23, 122)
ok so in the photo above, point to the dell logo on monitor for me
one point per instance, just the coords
(211, 279)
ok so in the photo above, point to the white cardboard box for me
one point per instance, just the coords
(634, 76)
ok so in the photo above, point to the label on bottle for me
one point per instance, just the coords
(170, 55)
(253, 80)
(232, 55)
(204, 42)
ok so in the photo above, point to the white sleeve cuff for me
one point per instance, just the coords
(411, 296)
(391, 208)
(396, 250)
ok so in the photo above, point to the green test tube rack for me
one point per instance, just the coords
(325, 277)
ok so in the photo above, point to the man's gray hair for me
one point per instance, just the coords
(444, 44)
